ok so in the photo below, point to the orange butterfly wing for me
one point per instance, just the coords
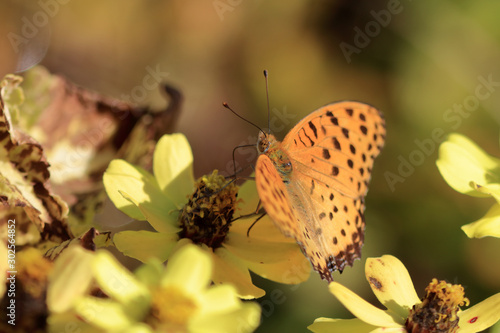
(320, 202)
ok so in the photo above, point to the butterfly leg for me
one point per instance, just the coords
(234, 160)
(254, 222)
(258, 210)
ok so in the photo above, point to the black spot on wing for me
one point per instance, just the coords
(313, 128)
(363, 129)
(326, 154)
(307, 136)
(336, 143)
(300, 138)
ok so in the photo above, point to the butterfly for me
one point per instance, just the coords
(313, 183)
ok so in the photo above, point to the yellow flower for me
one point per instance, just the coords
(25, 285)
(175, 298)
(470, 170)
(391, 283)
(184, 211)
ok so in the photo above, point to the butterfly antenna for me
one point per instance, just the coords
(267, 97)
(234, 160)
(248, 121)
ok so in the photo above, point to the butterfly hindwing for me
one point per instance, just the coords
(278, 201)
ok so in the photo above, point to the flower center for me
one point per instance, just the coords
(438, 311)
(207, 216)
(171, 309)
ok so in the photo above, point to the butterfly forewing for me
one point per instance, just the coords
(337, 145)
(275, 198)
(321, 202)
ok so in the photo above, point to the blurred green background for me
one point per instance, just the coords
(417, 61)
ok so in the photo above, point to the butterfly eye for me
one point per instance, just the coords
(263, 146)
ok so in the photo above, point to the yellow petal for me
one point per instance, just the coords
(138, 328)
(188, 268)
(257, 250)
(103, 313)
(221, 298)
(327, 325)
(248, 193)
(143, 245)
(389, 330)
(70, 278)
(480, 316)
(243, 319)
(150, 273)
(229, 269)
(158, 216)
(364, 310)
(120, 284)
(3, 263)
(489, 189)
(488, 225)
(264, 229)
(69, 322)
(462, 161)
(137, 183)
(294, 270)
(391, 283)
(173, 167)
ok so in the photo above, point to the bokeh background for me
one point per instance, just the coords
(418, 63)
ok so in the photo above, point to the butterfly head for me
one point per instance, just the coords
(269, 146)
(264, 142)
